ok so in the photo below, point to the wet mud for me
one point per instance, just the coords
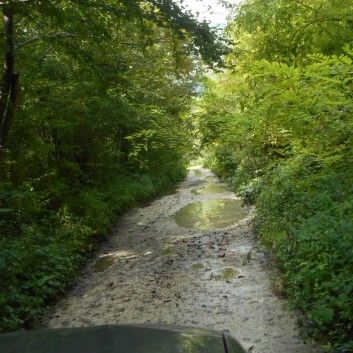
(154, 270)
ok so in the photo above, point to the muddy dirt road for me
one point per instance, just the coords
(154, 271)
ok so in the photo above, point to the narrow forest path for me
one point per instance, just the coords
(153, 271)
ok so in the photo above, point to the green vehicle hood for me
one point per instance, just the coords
(119, 339)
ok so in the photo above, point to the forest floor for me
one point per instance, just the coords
(153, 271)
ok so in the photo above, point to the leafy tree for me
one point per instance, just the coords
(280, 30)
(98, 126)
(73, 24)
(278, 125)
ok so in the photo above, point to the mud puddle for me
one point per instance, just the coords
(154, 271)
(211, 188)
(211, 214)
(103, 263)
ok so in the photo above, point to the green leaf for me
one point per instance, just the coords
(323, 315)
(6, 210)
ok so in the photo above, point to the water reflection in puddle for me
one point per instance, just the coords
(207, 266)
(103, 263)
(211, 188)
(197, 266)
(222, 274)
(225, 274)
(197, 172)
(211, 214)
(210, 178)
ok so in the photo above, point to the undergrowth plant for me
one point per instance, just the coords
(286, 139)
(41, 252)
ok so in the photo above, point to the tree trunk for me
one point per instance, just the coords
(9, 85)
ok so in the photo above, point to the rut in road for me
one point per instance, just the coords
(153, 271)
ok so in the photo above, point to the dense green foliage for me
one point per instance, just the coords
(96, 126)
(94, 117)
(278, 125)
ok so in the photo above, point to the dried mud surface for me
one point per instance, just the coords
(153, 271)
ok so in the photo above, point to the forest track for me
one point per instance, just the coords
(153, 271)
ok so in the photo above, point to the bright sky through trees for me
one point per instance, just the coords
(209, 10)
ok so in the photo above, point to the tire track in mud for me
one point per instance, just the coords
(153, 271)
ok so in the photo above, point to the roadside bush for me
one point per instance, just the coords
(43, 247)
(34, 271)
(319, 276)
(289, 131)
(305, 215)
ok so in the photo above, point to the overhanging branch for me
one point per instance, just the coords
(53, 36)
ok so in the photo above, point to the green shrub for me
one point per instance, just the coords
(318, 274)
(305, 214)
(34, 271)
(45, 238)
(91, 206)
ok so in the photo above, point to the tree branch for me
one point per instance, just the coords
(10, 80)
(152, 41)
(9, 64)
(305, 5)
(56, 35)
(45, 53)
(4, 3)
